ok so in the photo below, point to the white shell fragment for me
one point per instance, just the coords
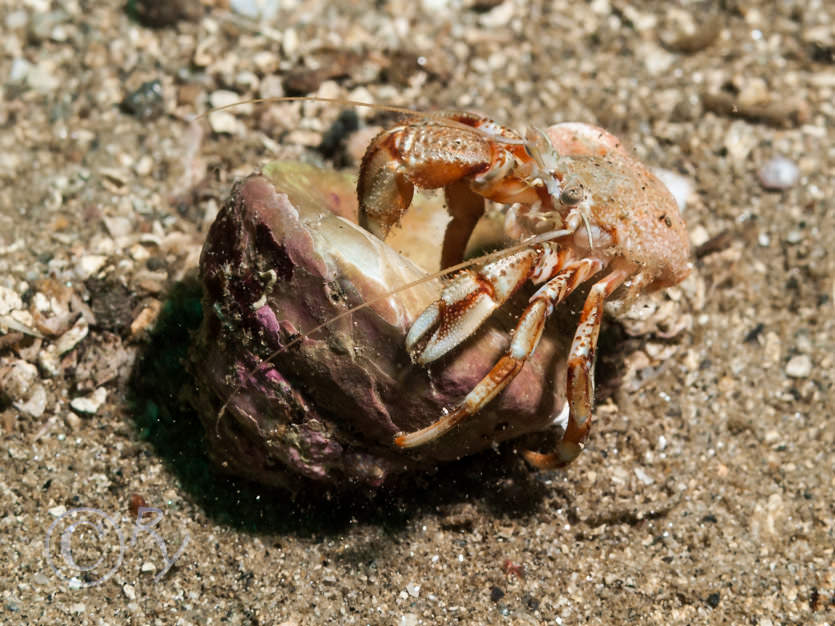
(90, 405)
(9, 300)
(17, 381)
(680, 186)
(72, 337)
(36, 404)
(778, 173)
(799, 366)
(89, 264)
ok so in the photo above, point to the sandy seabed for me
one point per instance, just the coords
(706, 492)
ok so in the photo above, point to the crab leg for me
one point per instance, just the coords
(580, 385)
(525, 339)
(465, 207)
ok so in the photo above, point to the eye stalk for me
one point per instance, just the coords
(571, 196)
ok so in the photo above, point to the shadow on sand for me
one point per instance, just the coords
(497, 482)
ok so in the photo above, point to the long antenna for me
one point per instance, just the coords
(438, 118)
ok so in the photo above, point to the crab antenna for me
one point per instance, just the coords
(357, 103)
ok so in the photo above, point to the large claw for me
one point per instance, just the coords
(450, 322)
(466, 302)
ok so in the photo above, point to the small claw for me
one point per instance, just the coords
(463, 306)
(468, 300)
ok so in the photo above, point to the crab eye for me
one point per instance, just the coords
(571, 195)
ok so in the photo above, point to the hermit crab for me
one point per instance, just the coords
(584, 205)
(300, 362)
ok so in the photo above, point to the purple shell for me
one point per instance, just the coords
(283, 256)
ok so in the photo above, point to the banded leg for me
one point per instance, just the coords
(526, 336)
(580, 383)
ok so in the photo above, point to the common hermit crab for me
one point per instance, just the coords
(344, 403)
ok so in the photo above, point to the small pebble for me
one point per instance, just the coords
(17, 381)
(146, 102)
(643, 476)
(224, 123)
(778, 173)
(698, 236)
(754, 92)
(160, 14)
(256, 9)
(129, 591)
(90, 405)
(118, 226)
(45, 24)
(89, 264)
(227, 97)
(36, 404)
(19, 70)
(72, 421)
(139, 253)
(289, 42)
(680, 186)
(9, 300)
(413, 590)
(57, 511)
(499, 16)
(17, 19)
(799, 366)
(41, 77)
(72, 337)
(794, 236)
(143, 167)
(146, 319)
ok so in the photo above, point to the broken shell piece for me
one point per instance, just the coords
(90, 404)
(284, 256)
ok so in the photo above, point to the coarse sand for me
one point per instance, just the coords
(705, 495)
